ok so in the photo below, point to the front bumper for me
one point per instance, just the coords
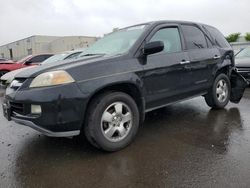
(2, 85)
(245, 75)
(244, 71)
(45, 131)
(62, 107)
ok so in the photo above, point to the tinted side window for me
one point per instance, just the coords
(170, 37)
(194, 37)
(39, 58)
(219, 39)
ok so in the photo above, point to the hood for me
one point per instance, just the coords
(62, 65)
(242, 62)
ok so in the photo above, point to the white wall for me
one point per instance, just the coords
(71, 43)
(45, 44)
(37, 44)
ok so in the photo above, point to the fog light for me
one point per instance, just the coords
(36, 109)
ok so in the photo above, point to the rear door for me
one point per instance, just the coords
(164, 74)
(203, 57)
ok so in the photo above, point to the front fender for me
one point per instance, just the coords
(94, 85)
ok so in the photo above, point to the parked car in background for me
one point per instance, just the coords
(63, 56)
(3, 59)
(242, 62)
(6, 61)
(236, 51)
(8, 77)
(106, 92)
(29, 60)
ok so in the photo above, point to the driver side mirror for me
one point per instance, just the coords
(153, 47)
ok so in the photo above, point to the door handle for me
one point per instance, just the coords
(216, 57)
(184, 62)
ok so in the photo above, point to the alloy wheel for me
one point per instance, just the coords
(222, 91)
(116, 121)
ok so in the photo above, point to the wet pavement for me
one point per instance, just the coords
(182, 145)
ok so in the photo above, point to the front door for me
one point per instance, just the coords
(165, 73)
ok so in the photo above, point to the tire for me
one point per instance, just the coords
(3, 73)
(112, 121)
(219, 94)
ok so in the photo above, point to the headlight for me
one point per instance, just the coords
(51, 79)
(9, 80)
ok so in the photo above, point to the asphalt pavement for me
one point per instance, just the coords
(182, 145)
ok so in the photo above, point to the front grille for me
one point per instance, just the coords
(3, 82)
(243, 69)
(17, 107)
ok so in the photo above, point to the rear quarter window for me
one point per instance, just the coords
(218, 37)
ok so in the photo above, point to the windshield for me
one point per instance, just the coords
(55, 58)
(245, 53)
(118, 42)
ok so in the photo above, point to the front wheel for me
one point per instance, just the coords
(218, 96)
(112, 121)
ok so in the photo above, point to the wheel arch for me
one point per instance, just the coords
(224, 69)
(127, 87)
(225, 66)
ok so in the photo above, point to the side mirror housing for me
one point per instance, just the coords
(153, 47)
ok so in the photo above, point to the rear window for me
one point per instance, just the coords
(55, 58)
(218, 38)
(40, 58)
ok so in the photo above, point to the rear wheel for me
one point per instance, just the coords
(219, 95)
(112, 121)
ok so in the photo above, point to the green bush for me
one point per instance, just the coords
(233, 37)
(247, 36)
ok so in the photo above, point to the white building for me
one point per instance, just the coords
(71, 43)
(38, 44)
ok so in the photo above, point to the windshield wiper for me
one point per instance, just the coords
(198, 45)
(92, 54)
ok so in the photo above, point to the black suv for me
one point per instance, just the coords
(106, 92)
